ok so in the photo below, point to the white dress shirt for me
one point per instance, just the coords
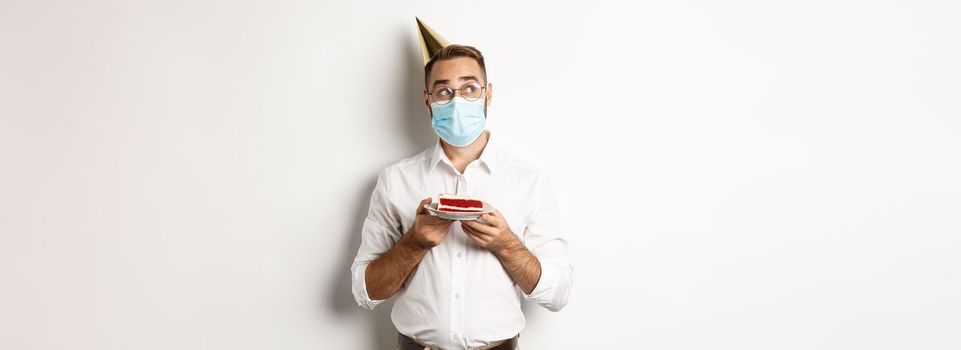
(460, 296)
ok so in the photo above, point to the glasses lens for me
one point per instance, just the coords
(442, 94)
(471, 91)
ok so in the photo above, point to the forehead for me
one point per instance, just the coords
(453, 68)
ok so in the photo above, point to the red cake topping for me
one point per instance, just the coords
(460, 203)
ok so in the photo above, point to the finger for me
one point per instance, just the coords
(479, 227)
(476, 240)
(437, 221)
(477, 222)
(496, 219)
(470, 231)
(488, 218)
(430, 218)
(481, 223)
(420, 207)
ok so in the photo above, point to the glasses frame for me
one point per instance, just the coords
(454, 92)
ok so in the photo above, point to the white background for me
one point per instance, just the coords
(733, 174)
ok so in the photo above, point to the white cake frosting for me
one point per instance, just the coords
(454, 196)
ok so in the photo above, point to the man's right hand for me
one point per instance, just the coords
(386, 274)
(428, 230)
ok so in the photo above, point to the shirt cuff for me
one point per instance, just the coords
(544, 290)
(360, 288)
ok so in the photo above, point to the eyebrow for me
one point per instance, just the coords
(462, 78)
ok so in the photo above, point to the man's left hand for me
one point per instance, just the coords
(490, 232)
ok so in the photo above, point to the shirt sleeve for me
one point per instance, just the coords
(543, 238)
(379, 233)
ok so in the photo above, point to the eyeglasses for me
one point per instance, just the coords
(470, 91)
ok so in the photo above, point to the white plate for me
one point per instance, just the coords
(456, 215)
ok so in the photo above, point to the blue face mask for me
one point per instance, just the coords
(459, 122)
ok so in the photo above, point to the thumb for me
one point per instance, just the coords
(420, 207)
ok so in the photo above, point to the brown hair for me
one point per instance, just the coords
(454, 51)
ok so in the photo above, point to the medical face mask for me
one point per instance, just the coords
(459, 122)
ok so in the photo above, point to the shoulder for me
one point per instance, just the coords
(518, 165)
(400, 169)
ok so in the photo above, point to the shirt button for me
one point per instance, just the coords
(456, 336)
(456, 295)
(459, 254)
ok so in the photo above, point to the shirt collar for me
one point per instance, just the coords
(488, 156)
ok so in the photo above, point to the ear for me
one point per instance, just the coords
(427, 103)
(490, 94)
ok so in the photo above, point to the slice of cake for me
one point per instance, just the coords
(449, 202)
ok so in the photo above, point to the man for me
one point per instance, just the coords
(459, 284)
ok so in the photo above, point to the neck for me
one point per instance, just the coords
(466, 154)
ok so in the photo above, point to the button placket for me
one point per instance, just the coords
(457, 302)
(456, 306)
(461, 185)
